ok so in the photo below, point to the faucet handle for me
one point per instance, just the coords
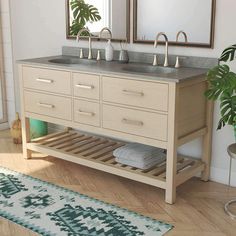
(81, 55)
(166, 62)
(98, 55)
(155, 63)
(90, 56)
(177, 63)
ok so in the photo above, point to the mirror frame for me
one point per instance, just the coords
(183, 44)
(2, 86)
(68, 36)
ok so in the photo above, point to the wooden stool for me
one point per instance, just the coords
(232, 153)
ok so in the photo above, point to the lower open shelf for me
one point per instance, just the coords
(96, 152)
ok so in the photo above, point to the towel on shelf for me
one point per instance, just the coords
(139, 155)
(140, 165)
(136, 151)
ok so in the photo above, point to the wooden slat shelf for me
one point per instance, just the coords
(97, 152)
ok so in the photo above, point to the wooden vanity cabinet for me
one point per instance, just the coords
(153, 112)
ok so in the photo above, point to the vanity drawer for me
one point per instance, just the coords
(141, 123)
(136, 93)
(47, 80)
(48, 105)
(87, 112)
(86, 85)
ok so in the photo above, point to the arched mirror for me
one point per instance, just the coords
(195, 17)
(97, 14)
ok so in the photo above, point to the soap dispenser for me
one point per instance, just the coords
(109, 51)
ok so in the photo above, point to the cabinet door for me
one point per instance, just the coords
(86, 86)
(86, 112)
(135, 93)
(141, 123)
(48, 105)
(47, 80)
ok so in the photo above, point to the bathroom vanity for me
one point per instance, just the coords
(111, 104)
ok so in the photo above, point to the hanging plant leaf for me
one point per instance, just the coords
(222, 85)
(228, 109)
(220, 80)
(228, 54)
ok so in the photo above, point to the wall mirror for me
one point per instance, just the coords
(97, 14)
(195, 17)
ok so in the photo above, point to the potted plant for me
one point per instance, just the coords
(222, 86)
(82, 13)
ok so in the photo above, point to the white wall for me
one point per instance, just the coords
(39, 30)
(7, 58)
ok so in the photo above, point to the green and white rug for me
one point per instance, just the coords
(49, 210)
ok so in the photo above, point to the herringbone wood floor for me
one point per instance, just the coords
(198, 210)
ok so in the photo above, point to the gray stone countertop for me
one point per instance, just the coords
(119, 69)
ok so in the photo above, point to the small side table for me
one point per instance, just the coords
(232, 153)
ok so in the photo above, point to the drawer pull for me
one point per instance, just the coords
(84, 86)
(45, 105)
(48, 81)
(132, 122)
(134, 93)
(84, 113)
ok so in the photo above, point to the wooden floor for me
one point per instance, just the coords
(197, 211)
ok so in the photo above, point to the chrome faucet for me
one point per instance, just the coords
(100, 36)
(166, 63)
(105, 29)
(90, 42)
(177, 63)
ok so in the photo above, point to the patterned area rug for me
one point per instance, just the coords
(49, 210)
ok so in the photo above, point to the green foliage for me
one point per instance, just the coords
(222, 86)
(82, 13)
(228, 54)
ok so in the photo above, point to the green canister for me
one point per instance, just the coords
(38, 128)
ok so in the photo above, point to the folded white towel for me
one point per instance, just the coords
(142, 165)
(139, 155)
(137, 152)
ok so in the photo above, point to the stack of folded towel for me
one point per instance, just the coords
(139, 155)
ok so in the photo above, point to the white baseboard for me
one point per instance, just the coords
(222, 176)
(4, 126)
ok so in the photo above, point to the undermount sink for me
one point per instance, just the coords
(71, 61)
(133, 68)
(149, 69)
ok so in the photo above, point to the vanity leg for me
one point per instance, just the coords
(171, 164)
(26, 137)
(24, 120)
(171, 158)
(207, 142)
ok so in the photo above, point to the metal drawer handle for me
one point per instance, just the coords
(84, 113)
(45, 105)
(84, 86)
(134, 93)
(132, 122)
(48, 81)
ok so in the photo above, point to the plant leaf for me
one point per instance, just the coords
(228, 54)
(222, 85)
(82, 14)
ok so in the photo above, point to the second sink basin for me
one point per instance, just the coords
(149, 69)
(71, 61)
(132, 67)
